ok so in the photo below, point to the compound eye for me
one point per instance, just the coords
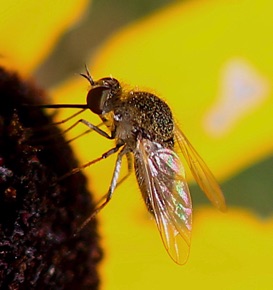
(96, 98)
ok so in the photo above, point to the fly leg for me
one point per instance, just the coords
(47, 127)
(129, 168)
(67, 119)
(103, 156)
(91, 128)
(80, 135)
(113, 185)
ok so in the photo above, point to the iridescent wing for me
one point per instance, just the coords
(200, 171)
(168, 196)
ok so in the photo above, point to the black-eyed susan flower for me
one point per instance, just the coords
(211, 61)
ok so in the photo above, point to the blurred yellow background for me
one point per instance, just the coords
(212, 62)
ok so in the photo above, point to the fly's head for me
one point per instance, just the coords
(102, 95)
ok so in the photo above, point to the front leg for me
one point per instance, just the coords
(96, 129)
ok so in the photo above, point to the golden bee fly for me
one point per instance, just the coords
(145, 134)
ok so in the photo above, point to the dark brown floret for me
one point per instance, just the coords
(38, 214)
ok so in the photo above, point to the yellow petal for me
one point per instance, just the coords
(228, 251)
(30, 29)
(212, 62)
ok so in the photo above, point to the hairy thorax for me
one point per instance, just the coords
(143, 114)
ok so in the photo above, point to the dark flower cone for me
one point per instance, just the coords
(39, 214)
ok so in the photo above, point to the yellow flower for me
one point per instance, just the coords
(29, 30)
(212, 62)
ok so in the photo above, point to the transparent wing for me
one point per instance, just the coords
(169, 197)
(200, 171)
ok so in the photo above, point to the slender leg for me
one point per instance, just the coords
(60, 122)
(96, 129)
(105, 155)
(82, 134)
(79, 136)
(69, 118)
(129, 167)
(46, 127)
(113, 185)
(78, 169)
(91, 128)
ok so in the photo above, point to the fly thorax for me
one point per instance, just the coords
(152, 115)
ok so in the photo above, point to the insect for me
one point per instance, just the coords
(146, 135)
